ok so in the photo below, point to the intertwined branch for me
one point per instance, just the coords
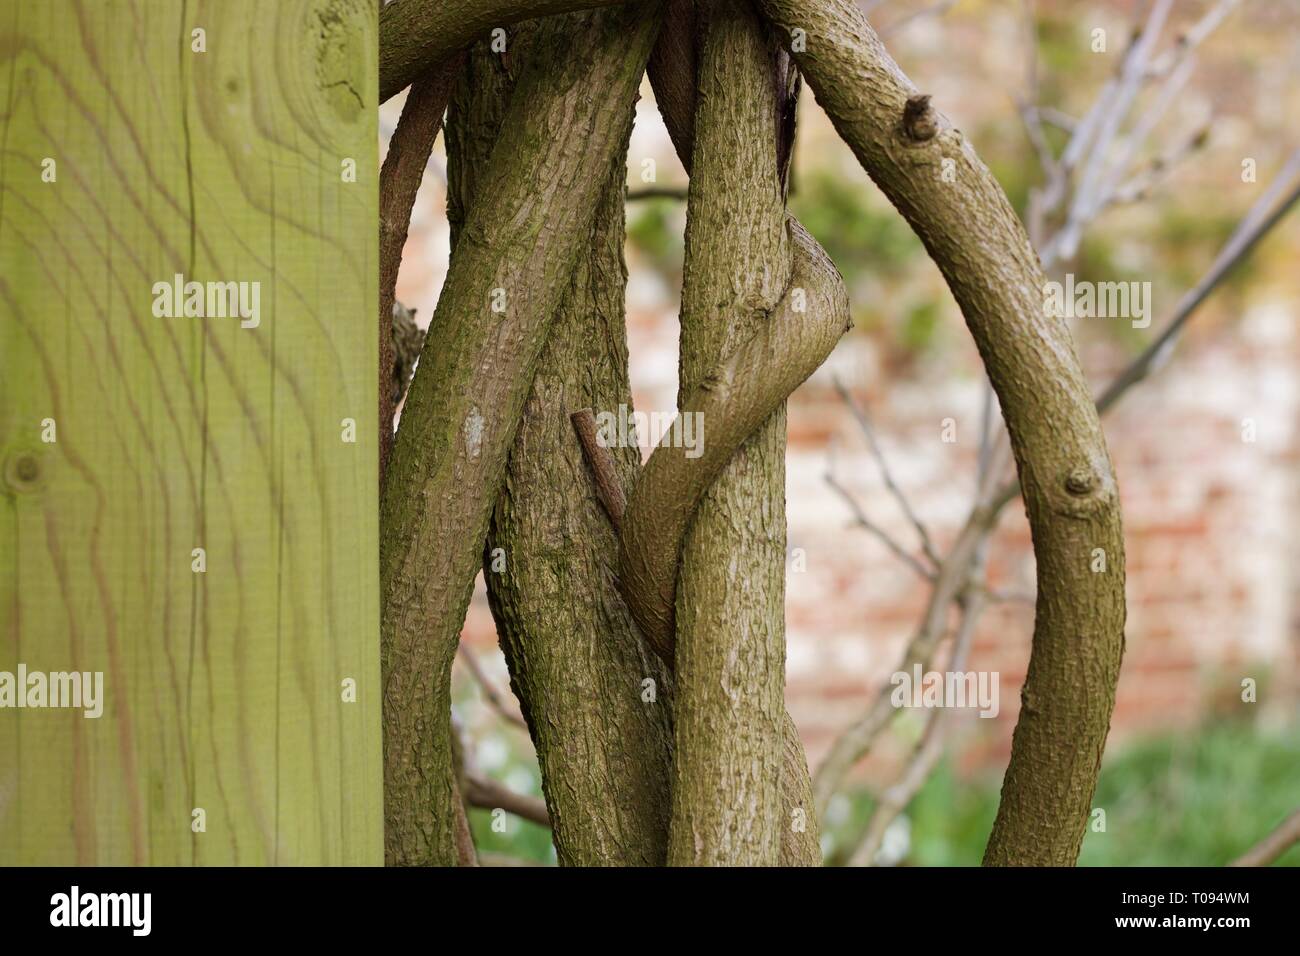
(558, 141)
(930, 173)
(1060, 173)
(539, 192)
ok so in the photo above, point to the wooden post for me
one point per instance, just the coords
(222, 141)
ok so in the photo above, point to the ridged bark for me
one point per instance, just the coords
(536, 204)
(730, 601)
(417, 34)
(399, 181)
(934, 178)
(736, 398)
(576, 662)
(740, 394)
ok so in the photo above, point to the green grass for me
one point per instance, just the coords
(1175, 800)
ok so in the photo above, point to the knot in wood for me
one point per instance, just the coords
(1080, 481)
(22, 472)
(920, 122)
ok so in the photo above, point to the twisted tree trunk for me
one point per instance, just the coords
(577, 665)
(516, 252)
(730, 600)
(750, 386)
(929, 171)
(413, 34)
(399, 181)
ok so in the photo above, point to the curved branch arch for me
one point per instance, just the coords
(933, 176)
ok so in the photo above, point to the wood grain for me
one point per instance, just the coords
(224, 688)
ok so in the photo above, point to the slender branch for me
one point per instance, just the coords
(864, 423)
(493, 696)
(399, 183)
(996, 596)
(954, 576)
(1274, 845)
(929, 748)
(657, 192)
(487, 794)
(609, 490)
(1236, 249)
(415, 34)
(861, 520)
(1192, 38)
(1254, 227)
(1058, 118)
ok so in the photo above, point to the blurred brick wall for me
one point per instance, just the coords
(1208, 525)
(1208, 517)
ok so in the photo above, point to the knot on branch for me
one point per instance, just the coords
(1089, 490)
(920, 121)
(1080, 481)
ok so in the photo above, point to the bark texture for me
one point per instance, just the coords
(399, 181)
(729, 703)
(417, 34)
(538, 196)
(730, 601)
(735, 399)
(576, 662)
(933, 176)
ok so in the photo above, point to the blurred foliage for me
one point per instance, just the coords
(862, 237)
(920, 325)
(654, 228)
(521, 839)
(1175, 800)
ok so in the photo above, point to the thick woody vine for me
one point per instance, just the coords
(443, 478)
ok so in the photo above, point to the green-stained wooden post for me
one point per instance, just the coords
(128, 157)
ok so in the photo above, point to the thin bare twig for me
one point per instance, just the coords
(1192, 38)
(486, 794)
(1274, 845)
(1253, 228)
(409, 150)
(895, 798)
(1233, 252)
(494, 697)
(861, 520)
(1002, 596)
(1114, 108)
(609, 490)
(954, 575)
(657, 192)
(864, 423)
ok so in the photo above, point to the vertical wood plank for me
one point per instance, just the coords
(223, 690)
